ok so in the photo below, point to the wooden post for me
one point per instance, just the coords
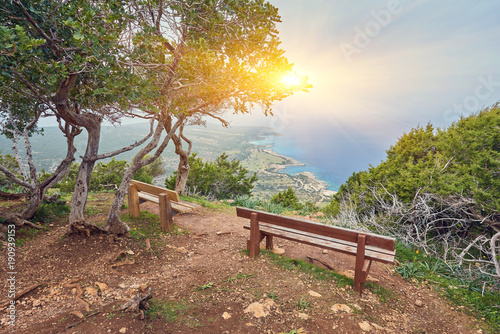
(269, 242)
(133, 201)
(360, 261)
(166, 220)
(254, 235)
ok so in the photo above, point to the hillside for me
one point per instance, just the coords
(202, 282)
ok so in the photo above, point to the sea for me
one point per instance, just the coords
(332, 156)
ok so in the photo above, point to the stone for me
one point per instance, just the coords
(91, 291)
(123, 330)
(341, 308)
(259, 310)
(279, 251)
(314, 294)
(122, 286)
(130, 252)
(325, 251)
(365, 326)
(78, 314)
(143, 288)
(37, 303)
(226, 315)
(102, 286)
(419, 303)
(302, 316)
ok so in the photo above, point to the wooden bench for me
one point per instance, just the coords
(170, 204)
(367, 247)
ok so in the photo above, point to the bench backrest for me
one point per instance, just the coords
(155, 190)
(319, 228)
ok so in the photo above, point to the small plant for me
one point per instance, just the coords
(205, 286)
(110, 316)
(272, 295)
(239, 276)
(303, 304)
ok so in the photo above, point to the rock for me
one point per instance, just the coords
(314, 294)
(278, 251)
(37, 303)
(78, 314)
(350, 274)
(129, 252)
(143, 288)
(122, 286)
(419, 303)
(226, 315)
(302, 316)
(259, 310)
(365, 326)
(325, 251)
(102, 286)
(341, 308)
(123, 330)
(91, 291)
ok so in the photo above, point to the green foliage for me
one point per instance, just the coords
(303, 304)
(462, 160)
(287, 198)
(170, 311)
(9, 162)
(47, 211)
(220, 179)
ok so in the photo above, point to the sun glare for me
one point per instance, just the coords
(291, 80)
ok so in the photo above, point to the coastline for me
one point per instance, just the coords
(269, 166)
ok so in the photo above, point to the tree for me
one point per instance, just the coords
(173, 63)
(208, 57)
(219, 179)
(67, 60)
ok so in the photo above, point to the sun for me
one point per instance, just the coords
(291, 80)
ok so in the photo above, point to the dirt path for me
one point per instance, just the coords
(202, 283)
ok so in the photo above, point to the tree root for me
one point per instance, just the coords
(85, 229)
(138, 304)
(22, 293)
(16, 219)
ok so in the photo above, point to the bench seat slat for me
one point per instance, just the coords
(371, 253)
(177, 206)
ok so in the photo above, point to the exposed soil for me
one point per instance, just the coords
(205, 283)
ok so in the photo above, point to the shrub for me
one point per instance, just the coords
(220, 179)
(287, 198)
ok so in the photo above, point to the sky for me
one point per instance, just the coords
(380, 68)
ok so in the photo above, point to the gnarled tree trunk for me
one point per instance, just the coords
(114, 223)
(183, 167)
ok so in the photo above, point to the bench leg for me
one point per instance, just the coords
(255, 236)
(133, 201)
(166, 220)
(269, 242)
(360, 263)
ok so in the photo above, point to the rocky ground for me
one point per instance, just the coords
(200, 281)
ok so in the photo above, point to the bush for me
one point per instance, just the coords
(287, 198)
(221, 179)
